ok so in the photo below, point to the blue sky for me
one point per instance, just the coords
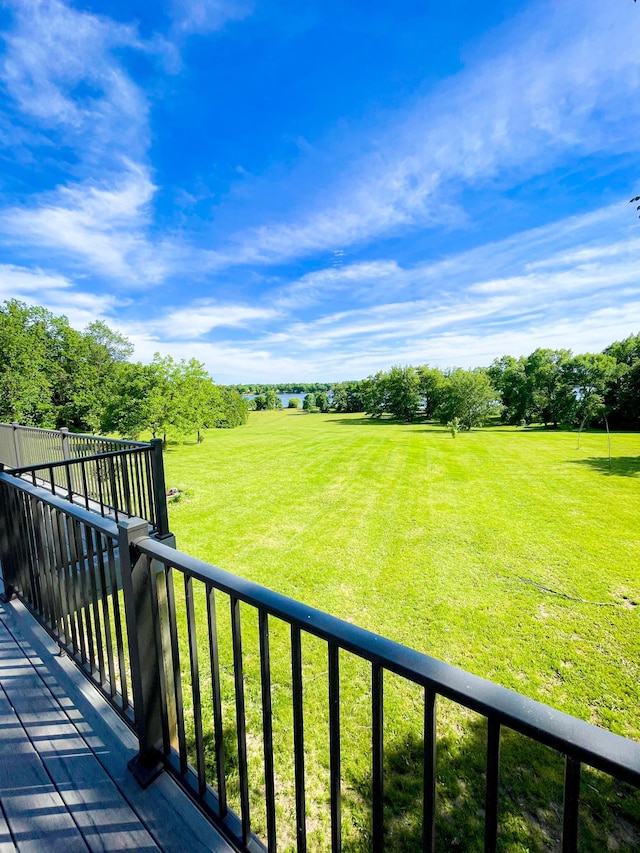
(319, 190)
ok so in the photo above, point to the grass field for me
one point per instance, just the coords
(512, 554)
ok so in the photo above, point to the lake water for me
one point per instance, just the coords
(284, 397)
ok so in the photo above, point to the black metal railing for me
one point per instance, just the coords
(115, 484)
(64, 563)
(212, 684)
(107, 475)
(25, 445)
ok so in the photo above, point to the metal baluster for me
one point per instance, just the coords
(124, 461)
(493, 778)
(177, 675)
(114, 487)
(82, 585)
(100, 492)
(298, 738)
(334, 747)
(216, 699)
(115, 601)
(571, 805)
(85, 485)
(267, 728)
(75, 571)
(429, 794)
(91, 572)
(195, 683)
(377, 750)
(106, 619)
(236, 636)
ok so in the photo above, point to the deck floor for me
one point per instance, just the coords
(64, 782)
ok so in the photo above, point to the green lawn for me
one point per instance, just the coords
(510, 553)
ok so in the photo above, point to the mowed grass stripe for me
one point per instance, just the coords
(510, 553)
(425, 538)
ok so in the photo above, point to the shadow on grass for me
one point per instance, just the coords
(367, 421)
(530, 799)
(621, 466)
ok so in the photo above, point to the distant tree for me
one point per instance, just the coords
(322, 401)
(374, 395)
(25, 381)
(128, 410)
(272, 401)
(509, 377)
(348, 397)
(431, 383)
(294, 403)
(592, 376)
(309, 402)
(402, 391)
(469, 396)
(552, 393)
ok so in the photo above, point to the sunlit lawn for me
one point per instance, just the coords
(512, 554)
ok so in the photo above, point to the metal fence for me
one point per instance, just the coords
(109, 476)
(63, 562)
(24, 445)
(206, 650)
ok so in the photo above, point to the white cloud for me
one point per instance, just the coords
(467, 309)
(207, 16)
(200, 317)
(562, 79)
(60, 69)
(99, 223)
(57, 294)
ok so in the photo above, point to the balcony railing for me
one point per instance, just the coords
(151, 625)
(113, 477)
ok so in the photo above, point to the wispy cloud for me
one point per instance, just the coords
(207, 16)
(99, 224)
(571, 284)
(61, 71)
(58, 294)
(203, 315)
(560, 80)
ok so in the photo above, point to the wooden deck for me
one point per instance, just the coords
(64, 783)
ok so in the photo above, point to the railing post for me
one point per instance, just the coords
(64, 435)
(7, 569)
(145, 665)
(17, 444)
(160, 490)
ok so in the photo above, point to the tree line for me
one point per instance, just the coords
(282, 388)
(52, 375)
(552, 387)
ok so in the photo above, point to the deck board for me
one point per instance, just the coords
(64, 783)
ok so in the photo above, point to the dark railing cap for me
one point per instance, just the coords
(595, 746)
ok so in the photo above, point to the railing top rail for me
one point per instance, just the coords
(92, 519)
(121, 441)
(78, 460)
(597, 747)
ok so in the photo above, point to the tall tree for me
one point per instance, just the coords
(469, 396)
(553, 398)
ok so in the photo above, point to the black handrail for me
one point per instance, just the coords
(65, 561)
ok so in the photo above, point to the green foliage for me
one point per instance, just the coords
(294, 403)
(431, 385)
(454, 426)
(322, 402)
(348, 397)
(309, 402)
(52, 375)
(395, 392)
(469, 396)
